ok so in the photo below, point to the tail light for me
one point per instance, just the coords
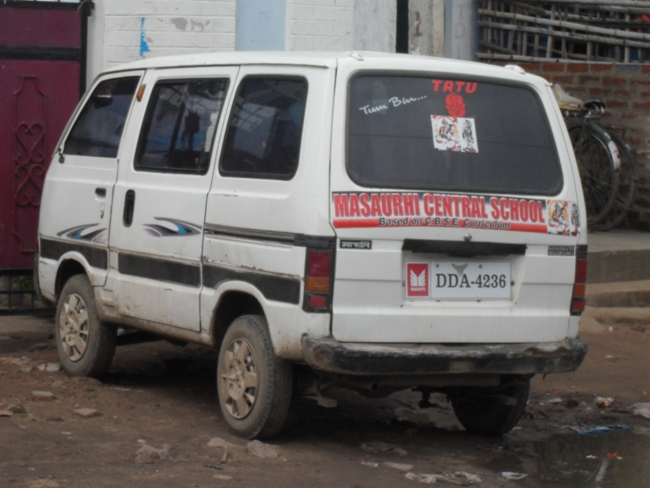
(580, 282)
(319, 271)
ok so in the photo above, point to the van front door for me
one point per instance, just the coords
(161, 194)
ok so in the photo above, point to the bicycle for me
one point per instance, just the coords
(606, 164)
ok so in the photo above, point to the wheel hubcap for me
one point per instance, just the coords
(239, 382)
(73, 327)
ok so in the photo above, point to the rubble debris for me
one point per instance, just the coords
(49, 367)
(43, 395)
(219, 442)
(370, 463)
(642, 409)
(6, 413)
(43, 483)
(603, 402)
(572, 402)
(149, 454)
(509, 475)
(87, 412)
(213, 466)
(261, 450)
(599, 429)
(459, 478)
(379, 446)
(222, 477)
(399, 466)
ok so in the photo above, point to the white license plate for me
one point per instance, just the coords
(457, 280)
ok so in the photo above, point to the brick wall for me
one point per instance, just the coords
(625, 88)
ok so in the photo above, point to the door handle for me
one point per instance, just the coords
(100, 192)
(129, 205)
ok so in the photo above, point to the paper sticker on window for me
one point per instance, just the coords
(454, 134)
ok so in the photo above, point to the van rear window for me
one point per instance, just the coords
(449, 134)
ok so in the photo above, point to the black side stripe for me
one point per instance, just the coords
(300, 240)
(97, 257)
(276, 288)
(159, 269)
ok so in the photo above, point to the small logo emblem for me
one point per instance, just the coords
(417, 280)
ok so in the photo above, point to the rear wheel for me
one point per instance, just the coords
(491, 411)
(254, 385)
(627, 176)
(86, 345)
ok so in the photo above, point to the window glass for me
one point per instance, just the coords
(265, 129)
(98, 130)
(180, 124)
(449, 134)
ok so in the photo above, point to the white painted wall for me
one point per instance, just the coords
(120, 31)
(116, 29)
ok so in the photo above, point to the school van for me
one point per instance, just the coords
(383, 222)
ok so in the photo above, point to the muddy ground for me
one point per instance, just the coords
(163, 396)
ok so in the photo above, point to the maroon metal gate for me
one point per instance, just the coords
(42, 75)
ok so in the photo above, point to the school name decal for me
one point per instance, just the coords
(422, 209)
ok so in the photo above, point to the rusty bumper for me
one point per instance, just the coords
(412, 359)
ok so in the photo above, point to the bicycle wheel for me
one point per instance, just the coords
(627, 176)
(597, 165)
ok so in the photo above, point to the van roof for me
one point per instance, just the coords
(320, 59)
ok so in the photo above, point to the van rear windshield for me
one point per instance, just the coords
(434, 133)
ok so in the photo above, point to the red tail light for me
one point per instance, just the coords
(580, 282)
(318, 280)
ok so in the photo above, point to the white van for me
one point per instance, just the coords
(390, 221)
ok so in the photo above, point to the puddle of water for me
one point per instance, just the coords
(612, 459)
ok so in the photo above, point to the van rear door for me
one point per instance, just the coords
(454, 205)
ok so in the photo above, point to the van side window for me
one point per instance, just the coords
(265, 129)
(179, 126)
(98, 130)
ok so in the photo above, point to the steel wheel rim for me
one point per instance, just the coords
(239, 380)
(73, 327)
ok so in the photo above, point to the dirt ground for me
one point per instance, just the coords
(164, 396)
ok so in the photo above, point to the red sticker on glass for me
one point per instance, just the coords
(455, 105)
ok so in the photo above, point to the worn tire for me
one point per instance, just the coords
(86, 345)
(254, 385)
(491, 411)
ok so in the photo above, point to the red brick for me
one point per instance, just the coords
(622, 93)
(615, 104)
(564, 80)
(530, 67)
(629, 116)
(596, 92)
(601, 67)
(633, 141)
(644, 105)
(641, 82)
(588, 79)
(577, 68)
(644, 94)
(645, 68)
(612, 80)
(555, 67)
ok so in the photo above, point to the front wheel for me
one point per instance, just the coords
(254, 385)
(86, 345)
(491, 411)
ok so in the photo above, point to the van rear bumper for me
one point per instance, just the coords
(412, 359)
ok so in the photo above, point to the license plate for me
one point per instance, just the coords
(457, 280)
